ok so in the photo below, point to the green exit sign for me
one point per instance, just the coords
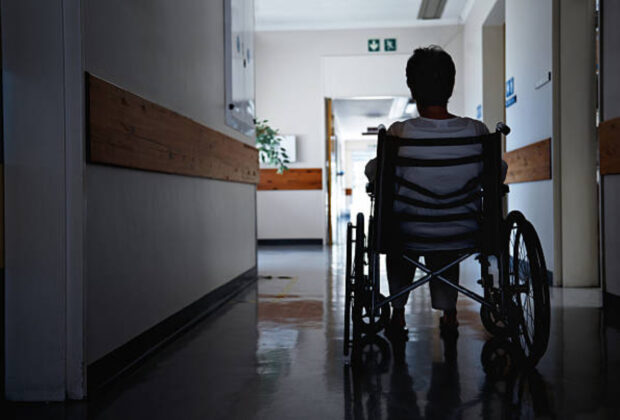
(389, 44)
(374, 45)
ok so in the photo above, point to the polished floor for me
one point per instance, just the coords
(275, 352)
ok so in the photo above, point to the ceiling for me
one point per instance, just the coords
(354, 116)
(349, 14)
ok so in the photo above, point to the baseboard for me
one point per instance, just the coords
(269, 242)
(128, 356)
(611, 309)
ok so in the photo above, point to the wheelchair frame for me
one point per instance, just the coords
(503, 310)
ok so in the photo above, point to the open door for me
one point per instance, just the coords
(329, 151)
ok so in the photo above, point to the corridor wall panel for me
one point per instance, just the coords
(43, 202)
(300, 214)
(157, 242)
(529, 53)
(610, 76)
(609, 141)
(128, 131)
(292, 179)
(529, 163)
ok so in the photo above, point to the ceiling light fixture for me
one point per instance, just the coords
(431, 9)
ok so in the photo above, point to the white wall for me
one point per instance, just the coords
(611, 109)
(473, 55)
(43, 123)
(156, 243)
(170, 53)
(529, 56)
(296, 70)
(493, 62)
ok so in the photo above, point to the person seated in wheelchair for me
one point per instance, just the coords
(430, 75)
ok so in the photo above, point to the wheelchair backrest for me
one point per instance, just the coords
(439, 194)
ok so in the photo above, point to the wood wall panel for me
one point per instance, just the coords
(529, 163)
(609, 146)
(293, 179)
(129, 131)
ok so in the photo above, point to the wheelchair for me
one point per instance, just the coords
(405, 218)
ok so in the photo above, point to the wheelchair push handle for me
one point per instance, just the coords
(502, 128)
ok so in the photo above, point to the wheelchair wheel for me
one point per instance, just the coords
(359, 291)
(372, 355)
(491, 322)
(499, 358)
(526, 287)
(348, 281)
(374, 324)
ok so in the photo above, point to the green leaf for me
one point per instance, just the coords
(269, 146)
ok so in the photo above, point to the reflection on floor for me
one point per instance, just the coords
(275, 352)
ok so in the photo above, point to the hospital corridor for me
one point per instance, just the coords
(330, 209)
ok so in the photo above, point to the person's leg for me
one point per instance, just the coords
(443, 296)
(400, 273)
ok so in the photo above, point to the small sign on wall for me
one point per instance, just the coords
(389, 44)
(510, 87)
(511, 97)
(479, 112)
(374, 45)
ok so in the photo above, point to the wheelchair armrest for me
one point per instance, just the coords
(370, 188)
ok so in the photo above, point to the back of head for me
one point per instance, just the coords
(430, 76)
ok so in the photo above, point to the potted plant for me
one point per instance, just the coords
(269, 148)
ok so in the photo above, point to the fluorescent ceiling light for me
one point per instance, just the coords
(431, 9)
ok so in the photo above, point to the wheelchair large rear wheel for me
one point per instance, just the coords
(526, 287)
(348, 290)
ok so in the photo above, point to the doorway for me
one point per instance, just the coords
(494, 66)
(356, 122)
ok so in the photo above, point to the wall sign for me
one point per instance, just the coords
(479, 112)
(389, 44)
(510, 87)
(511, 97)
(374, 45)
